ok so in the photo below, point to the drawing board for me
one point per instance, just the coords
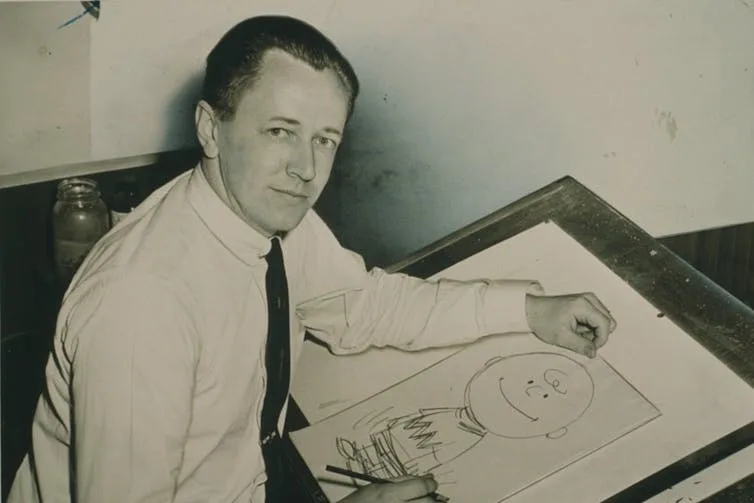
(699, 398)
(709, 481)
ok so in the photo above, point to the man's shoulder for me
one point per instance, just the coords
(154, 241)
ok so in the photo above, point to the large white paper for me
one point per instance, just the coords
(488, 421)
(700, 399)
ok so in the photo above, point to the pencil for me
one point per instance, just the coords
(375, 480)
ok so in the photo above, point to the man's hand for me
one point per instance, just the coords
(414, 489)
(579, 322)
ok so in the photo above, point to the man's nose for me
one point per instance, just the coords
(303, 165)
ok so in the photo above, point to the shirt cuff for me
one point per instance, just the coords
(504, 306)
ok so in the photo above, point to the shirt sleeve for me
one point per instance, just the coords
(133, 352)
(351, 309)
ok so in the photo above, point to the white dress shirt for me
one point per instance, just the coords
(156, 376)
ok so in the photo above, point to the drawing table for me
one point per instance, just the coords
(711, 316)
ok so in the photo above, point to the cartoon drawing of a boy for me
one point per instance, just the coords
(517, 396)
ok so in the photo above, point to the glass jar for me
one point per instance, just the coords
(79, 219)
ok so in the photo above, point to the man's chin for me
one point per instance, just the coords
(289, 222)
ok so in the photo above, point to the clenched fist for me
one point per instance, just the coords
(579, 322)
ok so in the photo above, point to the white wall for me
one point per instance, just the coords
(469, 105)
(44, 87)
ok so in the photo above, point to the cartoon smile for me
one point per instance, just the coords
(517, 409)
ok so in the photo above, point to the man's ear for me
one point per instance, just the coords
(557, 433)
(206, 128)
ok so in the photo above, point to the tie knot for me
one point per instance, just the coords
(275, 255)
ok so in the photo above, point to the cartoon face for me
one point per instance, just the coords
(529, 395)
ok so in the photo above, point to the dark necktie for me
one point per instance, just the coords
(277, 363)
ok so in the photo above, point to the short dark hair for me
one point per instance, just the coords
(234, 63)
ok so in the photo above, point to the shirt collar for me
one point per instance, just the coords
(236, 235)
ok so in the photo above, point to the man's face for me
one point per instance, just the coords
(276, 154)
(530, 395)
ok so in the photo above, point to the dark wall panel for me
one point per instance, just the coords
(725, 255)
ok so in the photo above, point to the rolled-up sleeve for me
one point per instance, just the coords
(351, 309)
(132, 356)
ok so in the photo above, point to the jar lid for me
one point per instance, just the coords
(78, 188)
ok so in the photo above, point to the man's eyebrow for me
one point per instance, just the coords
(332, 130)
(294, 122)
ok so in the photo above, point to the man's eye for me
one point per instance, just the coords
(326, 142)
(278, 132)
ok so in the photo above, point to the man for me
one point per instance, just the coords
(164, 383)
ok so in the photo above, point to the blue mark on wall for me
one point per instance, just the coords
(91, 8)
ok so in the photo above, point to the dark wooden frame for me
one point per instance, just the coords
(713, 317)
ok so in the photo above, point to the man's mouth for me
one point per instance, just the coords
(291, 193)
